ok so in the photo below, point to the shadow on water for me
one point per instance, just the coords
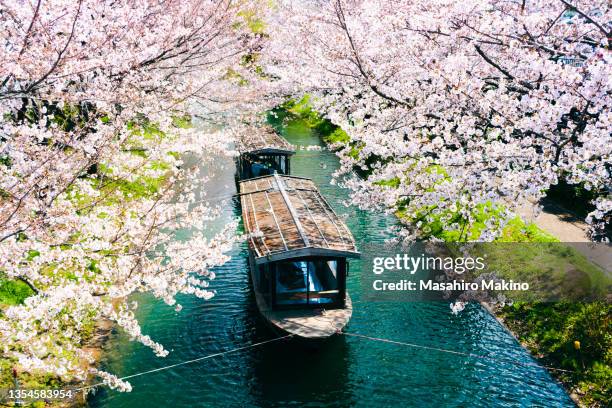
(295, 374)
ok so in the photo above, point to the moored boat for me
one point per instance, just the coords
(298, 255)
(262, 152)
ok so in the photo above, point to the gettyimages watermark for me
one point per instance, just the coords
(489, 272)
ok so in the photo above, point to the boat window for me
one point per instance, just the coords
(263, 281)
(313, 282)
(283, 164)
(264, 165)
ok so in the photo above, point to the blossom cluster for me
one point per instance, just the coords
(452, 106)
(96, 200)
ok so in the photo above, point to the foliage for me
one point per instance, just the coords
(551, 330)
(507, 97)
(13, 292)
(252, 20)
(97, 106)
(302, 109)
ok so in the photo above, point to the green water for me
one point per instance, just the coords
(346, 371)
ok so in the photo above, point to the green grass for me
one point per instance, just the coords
(298, 116)
(551, 330)
(300, 113)
(553, 270)
(13, 292)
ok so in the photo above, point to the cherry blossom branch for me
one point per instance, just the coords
(607, 33)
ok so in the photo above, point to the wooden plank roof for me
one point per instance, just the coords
(286, 217)
(261, 140)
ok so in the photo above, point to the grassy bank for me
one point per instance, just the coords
(569, 335)
(13, 292)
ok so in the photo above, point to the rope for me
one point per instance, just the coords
(441, 350)
(413, 345)
(191, 361)
(461, 353)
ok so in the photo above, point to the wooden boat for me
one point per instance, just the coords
(262, 152)
(298, 256)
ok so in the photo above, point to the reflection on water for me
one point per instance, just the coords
(346, 371)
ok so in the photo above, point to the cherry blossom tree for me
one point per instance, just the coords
(456, 110)
(95, 98)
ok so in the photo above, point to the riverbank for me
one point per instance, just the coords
(548, 331)
(571, 336)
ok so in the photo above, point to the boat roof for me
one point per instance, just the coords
(286, 217)
(262, 140)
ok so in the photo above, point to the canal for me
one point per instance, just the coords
(346, 371)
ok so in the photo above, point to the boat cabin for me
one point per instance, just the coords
(262, 152)
(299, 250)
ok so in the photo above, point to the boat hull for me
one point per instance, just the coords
(308, 324)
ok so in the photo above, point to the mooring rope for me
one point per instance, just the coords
(441, 350)
(261, 343)
(357, 335)
(461, 353)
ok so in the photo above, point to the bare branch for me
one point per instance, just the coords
(27, 35)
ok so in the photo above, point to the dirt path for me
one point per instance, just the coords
(558, 221)
(566, 226)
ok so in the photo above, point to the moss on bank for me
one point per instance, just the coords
(548, 330)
